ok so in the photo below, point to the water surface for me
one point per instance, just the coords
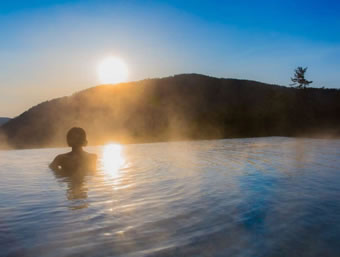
(237, 197)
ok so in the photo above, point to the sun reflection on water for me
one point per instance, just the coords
(112, 160)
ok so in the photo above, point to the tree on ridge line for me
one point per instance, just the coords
(299, 78)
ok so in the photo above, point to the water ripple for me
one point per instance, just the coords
(238, 197)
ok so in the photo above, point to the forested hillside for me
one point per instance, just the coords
(188, 106)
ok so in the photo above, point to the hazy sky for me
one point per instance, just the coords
(51, 48)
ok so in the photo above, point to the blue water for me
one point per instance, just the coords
(236, 197)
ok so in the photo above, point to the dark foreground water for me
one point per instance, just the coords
(239, 197)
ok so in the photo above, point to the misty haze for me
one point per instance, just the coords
(169, 128)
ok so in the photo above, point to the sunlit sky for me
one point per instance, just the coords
(52, 48)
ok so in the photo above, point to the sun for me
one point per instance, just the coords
(112, 70)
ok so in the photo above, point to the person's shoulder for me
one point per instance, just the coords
(58, 160)
(62, 156)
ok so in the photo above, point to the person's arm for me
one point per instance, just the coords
(55, 165)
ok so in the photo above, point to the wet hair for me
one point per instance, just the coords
(76, 137)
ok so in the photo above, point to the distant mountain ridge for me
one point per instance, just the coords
(186, 106)
(3, 120)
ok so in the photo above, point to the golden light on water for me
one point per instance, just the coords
(112, 70)
(112, 160)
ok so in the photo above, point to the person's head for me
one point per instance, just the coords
(76, 137)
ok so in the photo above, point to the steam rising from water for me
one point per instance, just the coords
(181, 107)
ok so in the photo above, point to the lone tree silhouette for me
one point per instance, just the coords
(299, 78)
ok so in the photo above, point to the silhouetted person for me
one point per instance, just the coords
(77, 159)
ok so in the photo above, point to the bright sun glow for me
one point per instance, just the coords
(112, 70)
(112, 159)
